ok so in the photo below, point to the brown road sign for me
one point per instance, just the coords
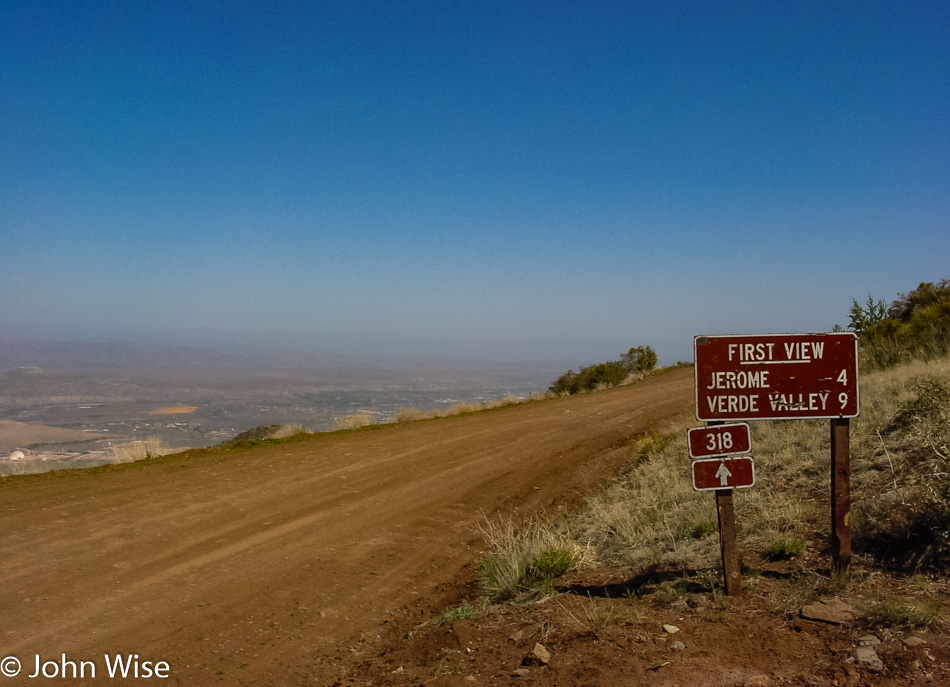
(776, 376)
(719, 440)
(723, 473)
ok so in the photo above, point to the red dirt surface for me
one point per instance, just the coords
(267, 566)
(325, 562)
(595, 641)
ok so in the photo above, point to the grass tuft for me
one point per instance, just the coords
(783, 549)
(146, 449)
(526, 561)
(909, 614)
(466, 611)
(352, 421)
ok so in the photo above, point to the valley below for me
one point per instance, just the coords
(74, 412)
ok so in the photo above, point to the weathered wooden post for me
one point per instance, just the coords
(722, 473)
(728, 546)
(841, 497)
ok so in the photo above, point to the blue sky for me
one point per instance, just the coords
(552, 179)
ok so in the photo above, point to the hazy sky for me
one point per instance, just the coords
(575, 178)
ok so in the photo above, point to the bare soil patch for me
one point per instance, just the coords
(678, 633)
(20, 434)
(174, 410)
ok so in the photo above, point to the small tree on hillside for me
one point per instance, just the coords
(924, 297)
(917, 324)
(639, 360)
(863, 318)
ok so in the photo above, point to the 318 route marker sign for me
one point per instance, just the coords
(719, 440)
(776, 376)
(723, 473)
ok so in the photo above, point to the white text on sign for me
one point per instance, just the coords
(777, 376)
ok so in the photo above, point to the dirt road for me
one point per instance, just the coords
(264, 567)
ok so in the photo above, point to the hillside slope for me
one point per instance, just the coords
(263, 567)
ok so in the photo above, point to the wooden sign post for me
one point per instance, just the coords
(728, 545)
(716, 468)
(781, 377)
(841, 497)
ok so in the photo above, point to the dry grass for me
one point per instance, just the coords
(648, 515)
(526, 559)
(651, 517)
(286, 431)
(352, 421)
(460, 409)
(413, 414)
(151, 447)
(900, 467)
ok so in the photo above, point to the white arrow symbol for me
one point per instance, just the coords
(723, 474)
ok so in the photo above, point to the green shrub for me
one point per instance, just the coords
(704, 529)
(540, 575)
(639, 360)
(268, 433)
(603, 375)
(635, 362)
(917, 325)
(784, 549)
(504, 578)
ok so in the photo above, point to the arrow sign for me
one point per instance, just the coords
(723, 473)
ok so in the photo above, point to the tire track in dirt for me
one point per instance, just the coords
(259, 567)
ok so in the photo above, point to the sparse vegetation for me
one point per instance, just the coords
(632, 365)
(465, 611)
(413, 414)
(352, 421)
(268, 433)
(410, 415)
(905, 520)
(145, 449)
(915, 326)
(526, 561)
(783, 549)
(907, 614)
(649, 519)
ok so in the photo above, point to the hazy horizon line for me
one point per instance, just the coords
(356, 346)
